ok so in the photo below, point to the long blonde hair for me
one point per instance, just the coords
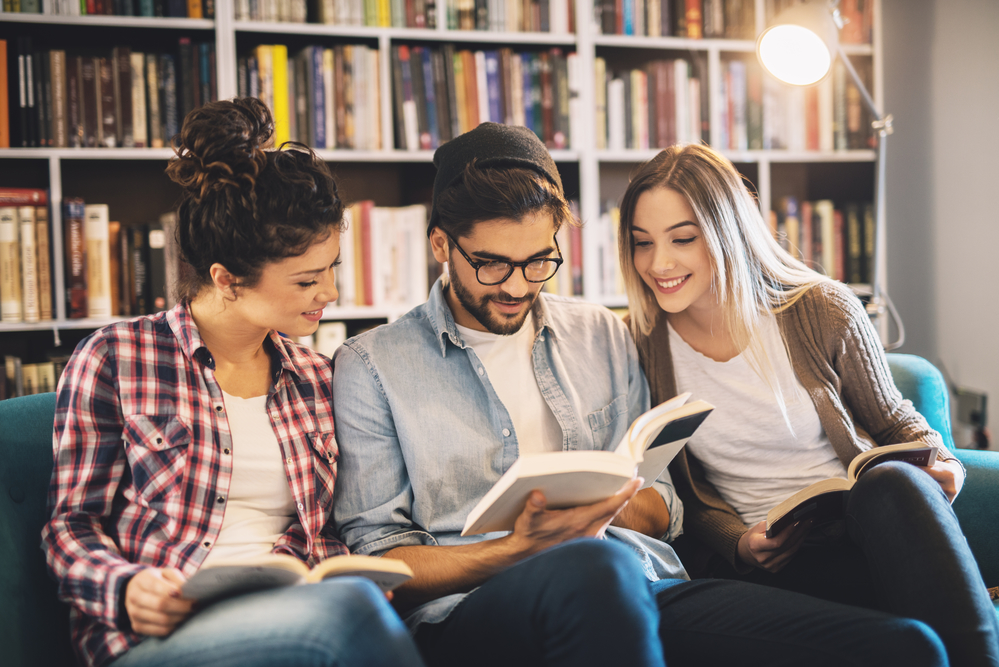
(752, 276)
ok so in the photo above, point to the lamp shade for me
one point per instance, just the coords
(800, 44)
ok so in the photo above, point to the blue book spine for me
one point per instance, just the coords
(204, 72)
(319, 96)
(525, 59)
(169, 98)
(428, 85)
(628, 10)
(493, 86)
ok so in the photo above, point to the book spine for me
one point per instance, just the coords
(43, 247)
(430, 88)
(139, 264)
(205, 69)
(185, 60)
(96, 233)
(4, 98)
(43, 98)
(109, 120)
(10, 266)
(169, 98)
(60, 124)
(318, 97)
(138, 93)
(30, 310)
(156, 267)
(76, 258)
(155, 123)
(90, 107)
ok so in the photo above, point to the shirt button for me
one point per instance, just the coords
(226, 451)
(218, 408)
(482, 371)
(207, 545)
(159, 441)
(301, 507)
(288, 460)
(506, 433)
(541, 338)
(220, 500)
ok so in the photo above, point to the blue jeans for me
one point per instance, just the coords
(587, 602)
(342, 622)
(905, 554)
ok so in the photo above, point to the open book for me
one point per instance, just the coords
(570, 479)
(225, 579)
(825, 500)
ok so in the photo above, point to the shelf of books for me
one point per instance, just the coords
(375, 87)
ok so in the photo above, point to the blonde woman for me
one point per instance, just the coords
(801, 386)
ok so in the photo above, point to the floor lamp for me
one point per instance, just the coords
(798, 48)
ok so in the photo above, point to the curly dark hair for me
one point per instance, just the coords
(244, 207)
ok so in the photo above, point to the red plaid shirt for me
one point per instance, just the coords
(142, 465)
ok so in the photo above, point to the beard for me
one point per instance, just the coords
(497, 323)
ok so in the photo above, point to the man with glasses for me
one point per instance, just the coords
(432, 409)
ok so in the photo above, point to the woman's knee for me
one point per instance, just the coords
(894, 486)
(915, 644)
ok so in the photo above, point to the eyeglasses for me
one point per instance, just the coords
(493, 273)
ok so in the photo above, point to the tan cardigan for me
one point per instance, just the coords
(838, 358)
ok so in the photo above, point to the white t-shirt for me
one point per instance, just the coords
(749, 453)
(260, 507)
(510, 368)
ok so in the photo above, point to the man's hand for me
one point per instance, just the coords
(949, 475)
(772, 553)
(538, 528)
(154, 603)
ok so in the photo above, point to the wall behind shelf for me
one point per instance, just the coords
(943, 232)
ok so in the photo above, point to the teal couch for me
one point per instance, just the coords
(33, 623)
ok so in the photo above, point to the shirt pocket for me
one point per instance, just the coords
(325, 455)
(157, 449)
(610, 416)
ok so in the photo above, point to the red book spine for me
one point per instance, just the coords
(23, 197)
(366, 255)
(812, 118)
(695, 25)
(76, 258)
(839, 247)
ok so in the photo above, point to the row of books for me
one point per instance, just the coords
(569, 279)
(383, 256)
(696, 19)
(119, 99)
(439, 93)
(758, 112)
(110, 269)
(194, 9)
(552, 16)
(23, 379)
(837, 240)
(858, 17)
(324, 97)
(662, 104)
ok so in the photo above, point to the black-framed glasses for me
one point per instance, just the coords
(492, 272)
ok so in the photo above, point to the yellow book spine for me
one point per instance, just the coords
(384, 14)
(282, 122)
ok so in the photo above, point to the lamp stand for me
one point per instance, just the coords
(880, 303)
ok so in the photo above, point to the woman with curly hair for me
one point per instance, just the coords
(200, 434)
(801, 386)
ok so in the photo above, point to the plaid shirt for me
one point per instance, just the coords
(142, 465)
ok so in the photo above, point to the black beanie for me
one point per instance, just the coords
(490, 145)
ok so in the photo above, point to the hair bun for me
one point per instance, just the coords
(220, 145)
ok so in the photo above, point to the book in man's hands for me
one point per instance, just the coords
(571, 479)
(225, 579)
(825, 500)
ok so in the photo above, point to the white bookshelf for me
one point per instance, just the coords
(590, 162)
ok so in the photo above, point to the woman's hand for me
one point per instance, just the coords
(154, 603)
(772, 553)
(949, 475)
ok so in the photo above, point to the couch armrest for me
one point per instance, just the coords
(977, 508)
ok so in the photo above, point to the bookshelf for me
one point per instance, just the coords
(394, 177)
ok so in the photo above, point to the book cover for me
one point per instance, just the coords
(96, 235)
(10, 266)
(571, 479)
(114, 265)
(43, 246)
(281, 108)
(75, 250)
(30, 308)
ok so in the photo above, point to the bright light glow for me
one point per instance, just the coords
(794, 55)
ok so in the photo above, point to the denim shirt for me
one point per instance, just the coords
(423, 436)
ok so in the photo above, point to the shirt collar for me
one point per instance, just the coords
(445, 329)
(191, 344)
